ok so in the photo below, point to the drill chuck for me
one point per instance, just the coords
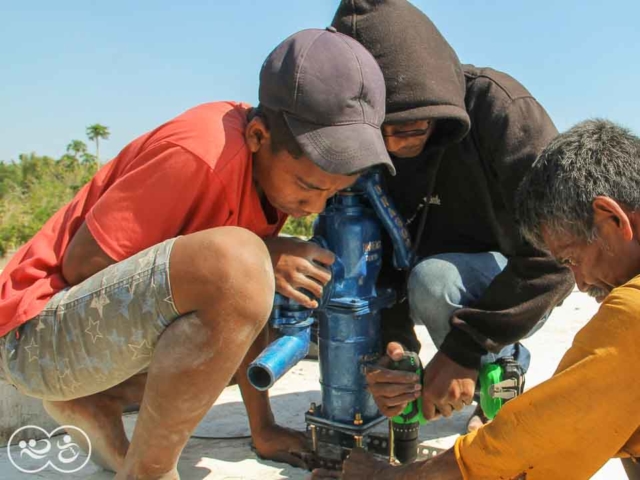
(406, 426)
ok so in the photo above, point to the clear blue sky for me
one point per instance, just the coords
(132, 64)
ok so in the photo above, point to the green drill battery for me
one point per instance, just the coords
(499, 382)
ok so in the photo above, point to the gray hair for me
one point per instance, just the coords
(594, 158)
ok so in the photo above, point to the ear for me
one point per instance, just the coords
(256, 134)
(609, 214)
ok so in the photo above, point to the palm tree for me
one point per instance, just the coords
(77, 148)
(96, 132)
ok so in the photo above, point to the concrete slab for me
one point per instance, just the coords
(228, 458)
(16, 410)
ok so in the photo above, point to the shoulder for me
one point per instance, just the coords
(498, 103)
(612, 334)
(617, 321)
(214, 132)
(624, 301)
(493, 84)
(493, 95)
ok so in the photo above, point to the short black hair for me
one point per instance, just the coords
(281, 136)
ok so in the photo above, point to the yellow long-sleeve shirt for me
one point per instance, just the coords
(589, 411)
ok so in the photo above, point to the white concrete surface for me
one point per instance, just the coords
(17, 410)
(233, 459)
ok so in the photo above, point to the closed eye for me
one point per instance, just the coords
(305, 185)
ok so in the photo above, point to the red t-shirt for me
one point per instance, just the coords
(192, 173)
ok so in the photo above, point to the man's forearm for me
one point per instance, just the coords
(361, 465)
(440, 467)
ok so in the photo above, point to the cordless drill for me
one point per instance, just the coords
(499, 382)
(406, 425)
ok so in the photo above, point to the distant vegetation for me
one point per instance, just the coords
(34, 187)
(299, 227)
(96, 132)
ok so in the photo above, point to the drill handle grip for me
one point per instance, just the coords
(410, 362)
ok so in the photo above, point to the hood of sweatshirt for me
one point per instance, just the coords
(423, 75)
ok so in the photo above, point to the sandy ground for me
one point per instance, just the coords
(219, 459)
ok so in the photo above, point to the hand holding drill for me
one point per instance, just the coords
(443, 385)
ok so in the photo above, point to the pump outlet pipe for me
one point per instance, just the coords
(282, 354)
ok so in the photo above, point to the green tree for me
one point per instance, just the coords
(96, 132)
(33, 188)
(76, 148)
(90, 160)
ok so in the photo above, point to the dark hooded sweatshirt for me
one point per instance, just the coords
(489, 130)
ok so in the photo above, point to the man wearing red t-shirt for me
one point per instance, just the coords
(145, 284)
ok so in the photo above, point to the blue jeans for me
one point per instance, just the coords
(441, 284)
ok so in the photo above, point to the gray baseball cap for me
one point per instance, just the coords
(332, 95)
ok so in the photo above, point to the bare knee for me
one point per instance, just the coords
(227, 269)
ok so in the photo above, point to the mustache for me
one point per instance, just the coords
(596, 292)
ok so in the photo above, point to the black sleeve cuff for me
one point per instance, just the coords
(397, 326)
(462, 349)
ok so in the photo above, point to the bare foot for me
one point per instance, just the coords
(172, 475)
(281, 444)
(101, 419)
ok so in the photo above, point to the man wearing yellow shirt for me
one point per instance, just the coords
(581, 202)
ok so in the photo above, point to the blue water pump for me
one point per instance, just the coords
(348, 321)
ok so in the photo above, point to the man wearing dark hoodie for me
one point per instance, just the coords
(461, 139)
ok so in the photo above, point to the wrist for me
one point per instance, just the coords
(403, 472)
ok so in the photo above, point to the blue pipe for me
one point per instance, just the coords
(278, 358)
(293, 322)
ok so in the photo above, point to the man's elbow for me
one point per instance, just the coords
(71, 270)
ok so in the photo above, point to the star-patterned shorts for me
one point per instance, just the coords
(94, 335)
